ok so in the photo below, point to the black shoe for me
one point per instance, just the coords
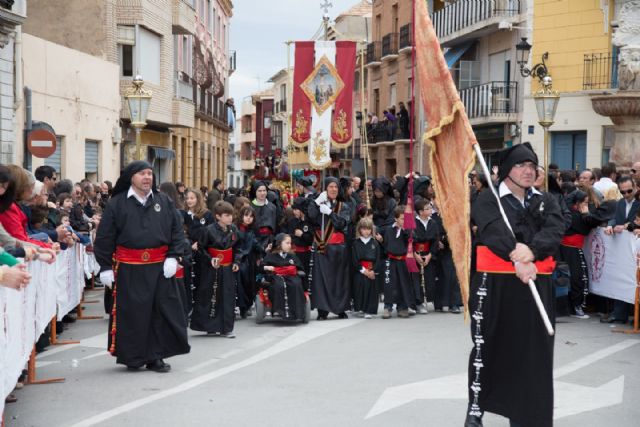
(343, 316)
(158, 366)
(133, 368)
(613, 320)
(473, 421)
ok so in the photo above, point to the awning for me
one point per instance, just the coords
(455, 53)
(162, 153)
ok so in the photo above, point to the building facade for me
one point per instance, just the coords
(203, 64)
(180, 48)
(582, 62)
(388, 61)
(12, 15)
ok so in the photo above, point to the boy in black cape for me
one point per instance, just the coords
(215, 299)
(301, 232)
(425, 247)
(398, 287)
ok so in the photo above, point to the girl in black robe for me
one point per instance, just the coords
(284, 287)
(266, 216)
(398, 287)
(330, 281)
(215, 299)
(425, 247)
(365, 259)
(301, 232)
(582, 222)
(249, 251)
(196, 217)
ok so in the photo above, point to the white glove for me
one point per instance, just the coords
(325, 209)
(321, 198)
(106, 278)
(170, 267)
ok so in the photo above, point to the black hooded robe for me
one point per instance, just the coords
(223, 280)
(149, 323)
(302, 244)
(330, 283)
(365, 292)
(398, 287)
(285, 291)
(511, 363)
(429, 235)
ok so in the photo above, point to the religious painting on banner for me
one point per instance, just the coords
(323, 98)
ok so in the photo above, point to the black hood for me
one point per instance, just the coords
(124, 181)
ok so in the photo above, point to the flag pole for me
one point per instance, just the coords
(532, 284)
(363, 129)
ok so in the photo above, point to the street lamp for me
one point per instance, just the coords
(138, 100)
(539, 70)
(546, 100)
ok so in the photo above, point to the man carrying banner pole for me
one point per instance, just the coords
(511, 363)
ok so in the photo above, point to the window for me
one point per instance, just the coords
(212, 27)
(409, 82)
(91, 150)
(149, 56)
(209, 19)
(186, 55)
(392, 94)
(55, 160)
(469, 74)
(126, 50)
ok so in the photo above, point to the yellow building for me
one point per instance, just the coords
(582, 62)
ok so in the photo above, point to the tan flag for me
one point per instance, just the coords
(451, 140)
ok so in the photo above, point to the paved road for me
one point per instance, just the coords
(352, 372)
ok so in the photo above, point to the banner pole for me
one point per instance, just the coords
(363, 129)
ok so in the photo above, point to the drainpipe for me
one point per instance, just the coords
(28, 125)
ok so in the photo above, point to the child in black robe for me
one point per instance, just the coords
(425, 248)
(215, 299)
(398, 288)
(301, 232)
(284, 287)
(366, 257)
(249, 251)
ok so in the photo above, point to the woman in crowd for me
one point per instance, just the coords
(330, 285)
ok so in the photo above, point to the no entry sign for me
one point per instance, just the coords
(41, 143)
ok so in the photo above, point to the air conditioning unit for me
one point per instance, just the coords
(117, 134)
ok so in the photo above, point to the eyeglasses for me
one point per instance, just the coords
(627, 191)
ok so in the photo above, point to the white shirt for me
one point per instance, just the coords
(604, 184)
(423, 222)
(627, 207)
(398, 230)
(142, 200)
(503, 190)
(365, 240)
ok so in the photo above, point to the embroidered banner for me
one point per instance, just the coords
(342, 128)
(301, 104)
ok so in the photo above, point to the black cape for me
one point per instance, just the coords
(285, 292)
(150, 321)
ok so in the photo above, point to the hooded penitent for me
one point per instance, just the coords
(509, 157)
(124, 181)
(382, 184)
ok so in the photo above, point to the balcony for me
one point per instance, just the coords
(374, 53)
(390, 47)
(232, 61)
(490, 102)
(182, 113)
(183, 19)
(246, 137)
(467, 19)
(210, 109)
(600, 71)
(406, 39)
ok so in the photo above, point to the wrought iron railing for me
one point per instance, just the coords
(600, 71)
(490, 98)
(463, 13)
(390, 44)
(405, 36)
(374, 51)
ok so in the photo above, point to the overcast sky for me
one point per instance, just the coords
(259, 29)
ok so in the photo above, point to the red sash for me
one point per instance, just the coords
(265, 231)
(367, 264)
(301, 249)
(422, 247)
(397, 257)
(488, 262)
(574, 241)
(141, 256)
(336, 238)
(289, 270)
(180, 273)
(224, 255)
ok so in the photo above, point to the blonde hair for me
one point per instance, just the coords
(612, 194)
(201, 207)
(367, 224)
